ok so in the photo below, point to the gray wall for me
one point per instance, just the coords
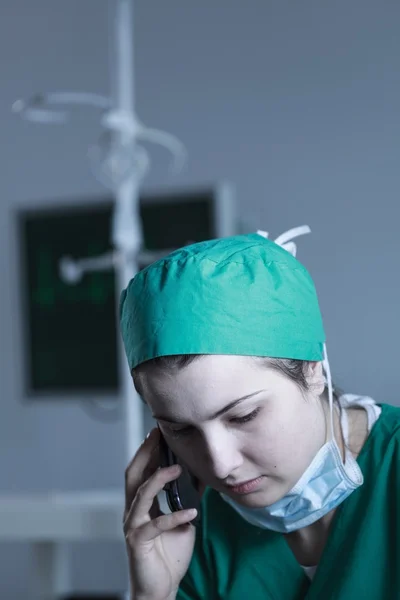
(297, 103)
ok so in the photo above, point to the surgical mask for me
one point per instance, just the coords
(325, 484)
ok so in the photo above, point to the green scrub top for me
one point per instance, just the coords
(234, 560)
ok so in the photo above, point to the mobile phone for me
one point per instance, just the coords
(181, 493)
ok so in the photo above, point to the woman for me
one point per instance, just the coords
(302, 487)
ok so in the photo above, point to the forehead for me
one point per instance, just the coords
(206, 385)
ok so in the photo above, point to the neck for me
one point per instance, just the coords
(307, 544)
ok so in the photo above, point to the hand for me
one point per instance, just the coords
(159, 546)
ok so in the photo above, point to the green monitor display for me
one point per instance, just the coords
(70, 331)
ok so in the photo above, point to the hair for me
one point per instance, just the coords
(293, 369)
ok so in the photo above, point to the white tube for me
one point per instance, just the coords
(126, 233)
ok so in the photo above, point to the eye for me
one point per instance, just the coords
(246, 418)
(176, 433)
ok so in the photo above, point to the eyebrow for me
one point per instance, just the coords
(217, 414)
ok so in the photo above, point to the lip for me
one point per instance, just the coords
(246, 487)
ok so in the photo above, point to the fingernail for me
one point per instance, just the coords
(149, 434)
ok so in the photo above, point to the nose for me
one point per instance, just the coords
(222, 454)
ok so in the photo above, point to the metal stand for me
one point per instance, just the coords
(120, 164)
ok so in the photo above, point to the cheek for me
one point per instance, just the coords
(291, 448)
(269, 450)
(276, 444)
(187, 450)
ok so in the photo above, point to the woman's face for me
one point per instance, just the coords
(233, 420)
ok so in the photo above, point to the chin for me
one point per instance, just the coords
(258, 499)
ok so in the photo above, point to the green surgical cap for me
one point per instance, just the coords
(242, 295)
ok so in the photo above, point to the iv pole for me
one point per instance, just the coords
(120, 164)
(126, 231)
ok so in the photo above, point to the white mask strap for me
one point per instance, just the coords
(327, 369)
(285, 239)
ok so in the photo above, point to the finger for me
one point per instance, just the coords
(135, 470)
(147, 473)
(142, 504)
(161, 524)
(155, 510)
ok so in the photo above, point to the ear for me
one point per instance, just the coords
(315, 378)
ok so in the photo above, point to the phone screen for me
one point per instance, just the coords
(181, 494)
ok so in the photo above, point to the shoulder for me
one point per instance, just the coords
(222, 527)
(233, 558)
(387, 427)
(216, 515)
(219, 539)
(380, 455)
